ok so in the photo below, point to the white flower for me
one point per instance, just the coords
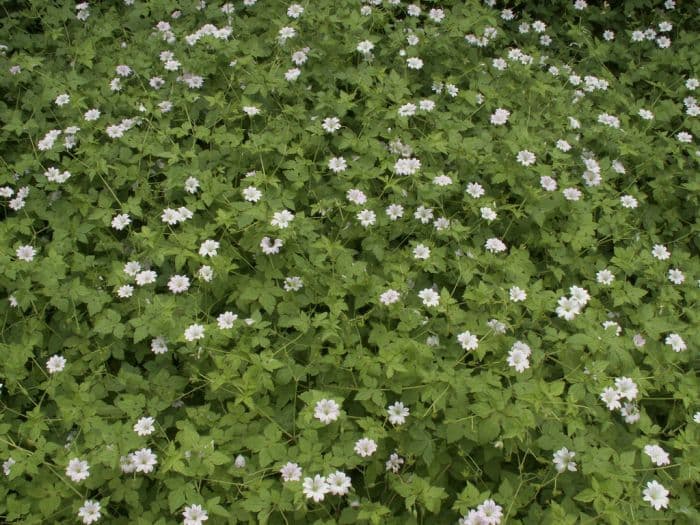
(517, 294)
(54, 175)
(365, 47)
(326, 411)
(426, 105)
(611, 398)
(285, 34)
(251, 111)
(423, 214)
(430, 297)
(281, 219)
(442, 180)
(365, 447)
(156, 82)
(62, 100)
(291, 472)
(194, 515)
(132, 268)
(441, 223)
(292, 74)
(205, 273)
(240, 461)
(294, 11)
(562, 145)
(49, 139)
(407, 166)
(580, 295)
(145, 277)
(436, 15)
(397, 413)
(77, 470)
(7, 466)
(144, 426)
(495, 245)
(367, 218)
(499, 64)
(159, 346)
(563, 460)
(676, 342)
(194, 332)
(145, 460)
(490, 512)
(251, 194)
(125, 291)
(421, 251)
(518, 360)
(626, 388)
(645, 114)
(660, 252)
(657, 455)
(25, 253)
(55, 363)
(630, 412)
(676, 276)
(628, 201)
(526, 158)
(191, 185)
(356, 196)
(394, 462)
(394, 211)
(685, 137)
(475, 189)
(468, 341)
(696, 417)
(331, 124)
(656, 494)
(609, 35)
(339, 483)
(293, 284)
(571, 194)
(414, 63)
(407, 110)
(497, 326)
(270, 247)
(300, 57)
(337, 164)
(389, 297)
(178, 283)
(225, 320)
(609, 120)
(90, 512)
(568, 308)
(605, 277)
(315, 488)
(612, 324)
(500, 117)
(209, 248)
(663, 42)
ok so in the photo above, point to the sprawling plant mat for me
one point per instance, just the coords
(334, 262)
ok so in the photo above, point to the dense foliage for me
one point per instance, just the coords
(334, 262)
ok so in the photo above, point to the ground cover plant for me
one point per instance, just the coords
(339, 262)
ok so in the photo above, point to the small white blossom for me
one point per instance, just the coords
(365, 447)
(563, 460)
(326, 411)
(194, 332)
(145, 426)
